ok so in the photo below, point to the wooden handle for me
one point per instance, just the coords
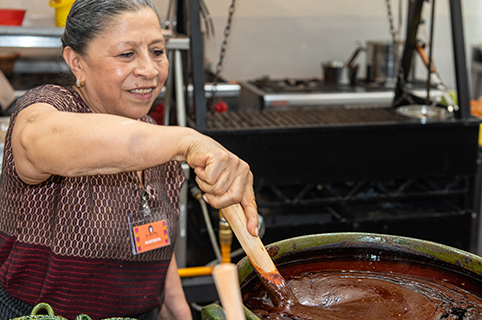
(275, 285)
(252, 246)
(434, 77)
(227, 284)
(424, 56)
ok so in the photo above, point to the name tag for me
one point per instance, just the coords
(149, 231)
(151, 236)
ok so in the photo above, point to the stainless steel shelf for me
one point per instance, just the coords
(28, 37)
(22, 37)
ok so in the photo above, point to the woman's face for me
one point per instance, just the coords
(125, 68)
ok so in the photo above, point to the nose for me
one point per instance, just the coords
(146, 67)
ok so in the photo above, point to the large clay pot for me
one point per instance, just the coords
(460, 268)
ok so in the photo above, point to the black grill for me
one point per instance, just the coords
(301, 117)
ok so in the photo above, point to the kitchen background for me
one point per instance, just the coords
(381, 175)
(283, 38)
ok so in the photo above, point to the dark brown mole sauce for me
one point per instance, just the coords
(378, 289)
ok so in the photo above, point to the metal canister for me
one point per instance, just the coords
(338, 73)
(476, 70)
(381, 64)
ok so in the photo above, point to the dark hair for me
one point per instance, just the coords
(87, 19)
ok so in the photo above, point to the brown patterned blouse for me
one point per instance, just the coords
(66, 241)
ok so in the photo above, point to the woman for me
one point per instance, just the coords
(80, 162)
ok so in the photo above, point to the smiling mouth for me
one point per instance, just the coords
(141, 91)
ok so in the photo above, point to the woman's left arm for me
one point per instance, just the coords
(174, 306)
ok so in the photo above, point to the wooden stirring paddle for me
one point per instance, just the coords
(275, 285)
(279, 292)
(227, 285)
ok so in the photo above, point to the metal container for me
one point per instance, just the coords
(425, 113)
(476, 70)
(338, 73)
(381, 64)
(361, 250)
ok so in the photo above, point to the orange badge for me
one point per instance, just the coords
(151, 236)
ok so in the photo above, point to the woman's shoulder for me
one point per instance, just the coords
(46, 92)
(62, 98)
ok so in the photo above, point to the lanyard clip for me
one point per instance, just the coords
(145, 205)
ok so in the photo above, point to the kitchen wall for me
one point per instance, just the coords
(291, 38)
(281, 38)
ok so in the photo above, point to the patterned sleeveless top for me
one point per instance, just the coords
(66, 241)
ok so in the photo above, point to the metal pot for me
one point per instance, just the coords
(339, 73)
(381, 64)
(362, 252)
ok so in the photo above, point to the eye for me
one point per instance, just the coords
(157, 52)
(127, 54)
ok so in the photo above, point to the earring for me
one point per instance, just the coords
(79, 83)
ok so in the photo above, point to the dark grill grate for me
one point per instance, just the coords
(301, 117)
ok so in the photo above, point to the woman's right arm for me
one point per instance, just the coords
(48, 142)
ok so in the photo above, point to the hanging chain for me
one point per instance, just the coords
(222, 54)
(400, 75)
(390, 20)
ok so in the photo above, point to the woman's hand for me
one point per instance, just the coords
(224, 178)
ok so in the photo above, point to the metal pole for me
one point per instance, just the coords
(197, 61)
(461, 77)
(180, 102)
(181, 242)
(430, 57)
(413, 22)
(168, 94)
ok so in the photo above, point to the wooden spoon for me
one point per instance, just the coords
(227, 285)
(275, 285)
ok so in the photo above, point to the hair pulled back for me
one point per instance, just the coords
(87, 19)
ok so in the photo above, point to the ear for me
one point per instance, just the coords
(74, 60)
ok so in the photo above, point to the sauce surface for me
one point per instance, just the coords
(331, 289)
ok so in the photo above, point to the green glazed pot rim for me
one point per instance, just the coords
(280, 250)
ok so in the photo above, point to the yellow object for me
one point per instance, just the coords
(480, 135)
(195, 271)
(62, 9)
(225, 239)
(225, 253)
(453, 95)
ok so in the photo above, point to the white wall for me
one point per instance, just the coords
(291, 38)
(283, 38)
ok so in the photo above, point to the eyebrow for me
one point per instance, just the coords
(133, 43)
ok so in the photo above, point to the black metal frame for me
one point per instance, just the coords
(460, 64)
(360, 192)
(460, 60)
(374, 206)
(197, 65)
(282, 156)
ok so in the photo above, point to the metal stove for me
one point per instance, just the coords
(266, 93)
